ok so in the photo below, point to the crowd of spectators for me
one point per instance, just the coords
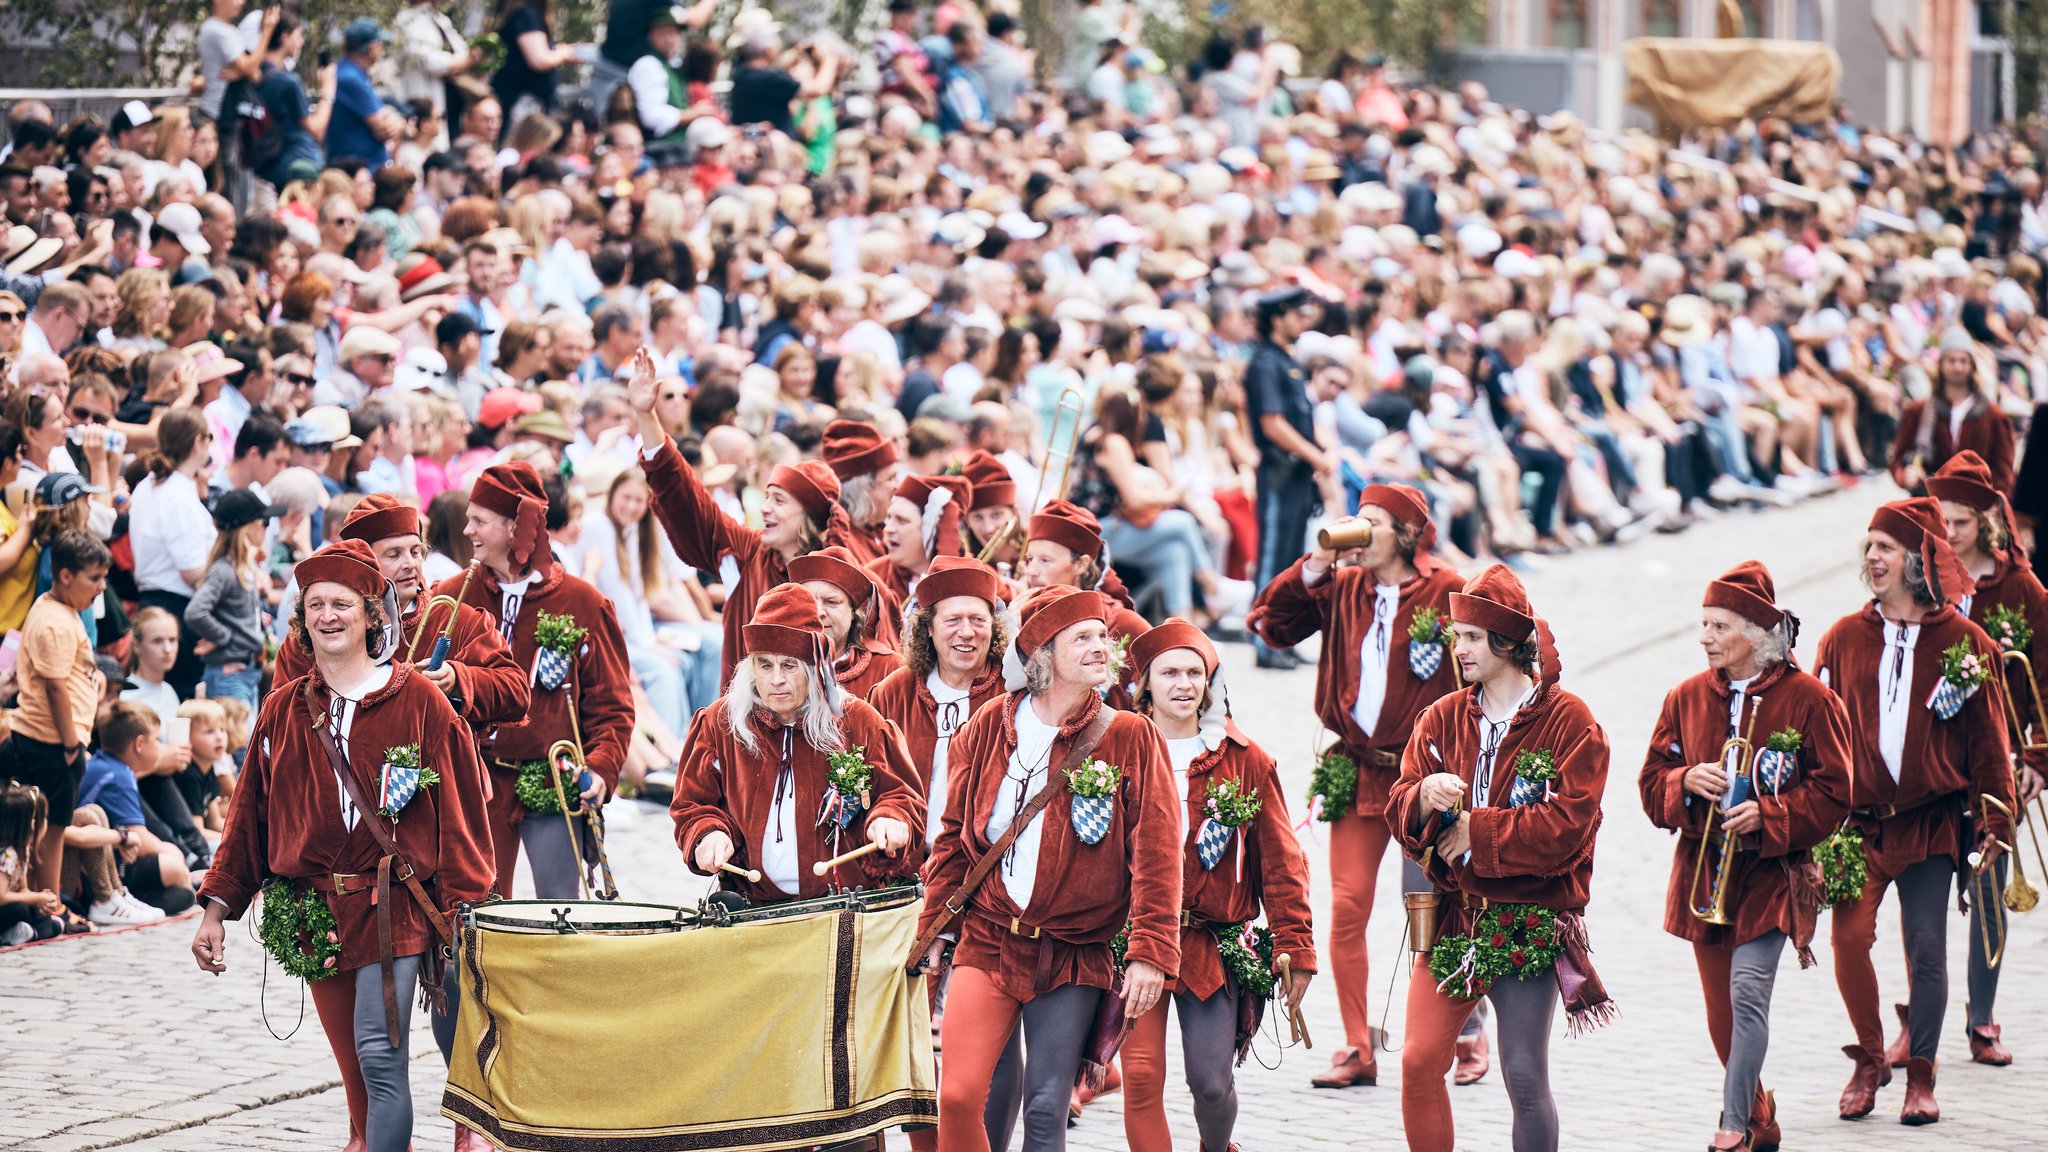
(224, 320)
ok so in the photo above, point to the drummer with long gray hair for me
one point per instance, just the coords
(786, 771)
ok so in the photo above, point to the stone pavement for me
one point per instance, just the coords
(136, 1048)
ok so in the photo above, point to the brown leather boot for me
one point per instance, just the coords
(1860, 1095)
(1473, 1059)
(1729, 1142)
(1764, 1134)
(1900, 1049)
(1987, 1048)
(1920, 1106)
(1349, 1066)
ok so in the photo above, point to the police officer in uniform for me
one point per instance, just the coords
(1283, 427)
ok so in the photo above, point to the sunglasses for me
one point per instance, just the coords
(86, 416)
(11, 317)
(342, 221)
(301, 379)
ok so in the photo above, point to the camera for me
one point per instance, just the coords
(117, 442)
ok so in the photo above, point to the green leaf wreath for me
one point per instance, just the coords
(1246, 951)
(1231, 803)
(558, 633)
(1518, 940)
(294, 930)
(408, 756)
(1120, 944)
(1786, 740)
(1335, 782)
(1536, 765)
(1094, 779)
(1429, 627)
(2009, 628)
(536, 788)
(1842, 870)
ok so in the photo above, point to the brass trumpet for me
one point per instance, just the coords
(565, 757)
(447, 636)
(1013, 532)
(2019, 895)
(1742, 783)
(2012, 710)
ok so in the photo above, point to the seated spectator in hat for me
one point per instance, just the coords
(366, 361)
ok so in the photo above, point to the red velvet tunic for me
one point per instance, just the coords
(892, 583)
(1947, 764)
(905, 700)
(865, 544)
(860, 672)
(599, 676)
(1986, 432)
(1340, 606)
(1540, 853)
(2016, 587)
(1083, 893)
(286, 817)
(701, 533)
(1262, 867)
(1770, 888)
(723, 786)
(492, 687)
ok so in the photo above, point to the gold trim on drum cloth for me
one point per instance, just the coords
(907, 1106)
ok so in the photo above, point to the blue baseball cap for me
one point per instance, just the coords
(363, 32)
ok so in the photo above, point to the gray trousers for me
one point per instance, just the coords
(1208, 1044)
(557, 865)
(1984, 901)
(1752, 974)
(1413, 879)
(389, 1118)
(1923, 913)
(1523, 1012)
(1054, 1025)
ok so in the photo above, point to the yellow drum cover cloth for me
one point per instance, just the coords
(783, 1033)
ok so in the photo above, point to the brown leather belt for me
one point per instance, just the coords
(1382, 758)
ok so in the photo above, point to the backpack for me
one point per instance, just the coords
(258, 133)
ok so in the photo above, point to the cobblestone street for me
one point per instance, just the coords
(121, 1042)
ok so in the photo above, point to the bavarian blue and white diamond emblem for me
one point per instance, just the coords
(1773, 769)
(1948, 698)
(1212, 842)
(1091, 817)
(1425, 659)
(1528, 792)
(551, 669)
(397, 785)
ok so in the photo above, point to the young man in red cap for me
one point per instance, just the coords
(1794, 796)
(855, 614)
(293, 821)
(1064, 549)
(992, 512)
(865, 463)
(923, 524)
(1921, 780)
(1034, 936)
(1374, 678)
(799, 514)
(2012, 608)
(755, 771)
(1239, 860)
(593, 703)
(1498, 800)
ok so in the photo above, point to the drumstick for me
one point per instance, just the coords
(750, 875)
(1283, 965)
(824, 866)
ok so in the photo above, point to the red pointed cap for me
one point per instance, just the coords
(380, 516)
(1496, 601)
(1920, 528)
(1052, 610)
(1406, 505)
(346, 562)
(856, 448)
(951, 576)
(1170, 634)
(1069, 525)
(786, 623)
(1965, 479)
(1748, 591)
(993, 485)
(941, 502)
(513, 490)
(811, 484)
(838, 567)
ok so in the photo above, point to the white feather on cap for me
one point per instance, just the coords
(934, 510)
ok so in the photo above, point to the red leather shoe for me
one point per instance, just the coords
(1729, 1142)
(1901, 1048)
(1473, 1059)
(1764, 1133)
(1349, 1066)
(1987, 1048)
(471, 1140)
(1920, 1106)
(1860, 1095)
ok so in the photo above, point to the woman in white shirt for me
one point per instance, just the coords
(622, 557)
(169, 528)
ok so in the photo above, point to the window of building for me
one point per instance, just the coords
(1568, 23)
(1660, 17)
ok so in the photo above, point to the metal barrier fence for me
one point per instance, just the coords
(66, 103)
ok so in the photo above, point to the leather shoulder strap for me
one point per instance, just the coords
(1084, 743)
(325, 738)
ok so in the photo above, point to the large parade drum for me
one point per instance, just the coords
(781, 1027)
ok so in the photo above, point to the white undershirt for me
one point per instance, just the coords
(952, 714)
(1894, 692)
(341, 716)
(1491, 734)
(1183, 753)
(1023, 777)
(1956, 415)
(514, 595)
(779, 864)
(1372, 657)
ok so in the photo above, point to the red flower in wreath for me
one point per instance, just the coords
(1507, 918)
(1540, 939)
(1518, 957)
(1499, 940)
(1532, 920)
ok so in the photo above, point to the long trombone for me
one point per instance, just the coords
(447, 636)
(1715, 910)
(2012, 710)
(1070, 401)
